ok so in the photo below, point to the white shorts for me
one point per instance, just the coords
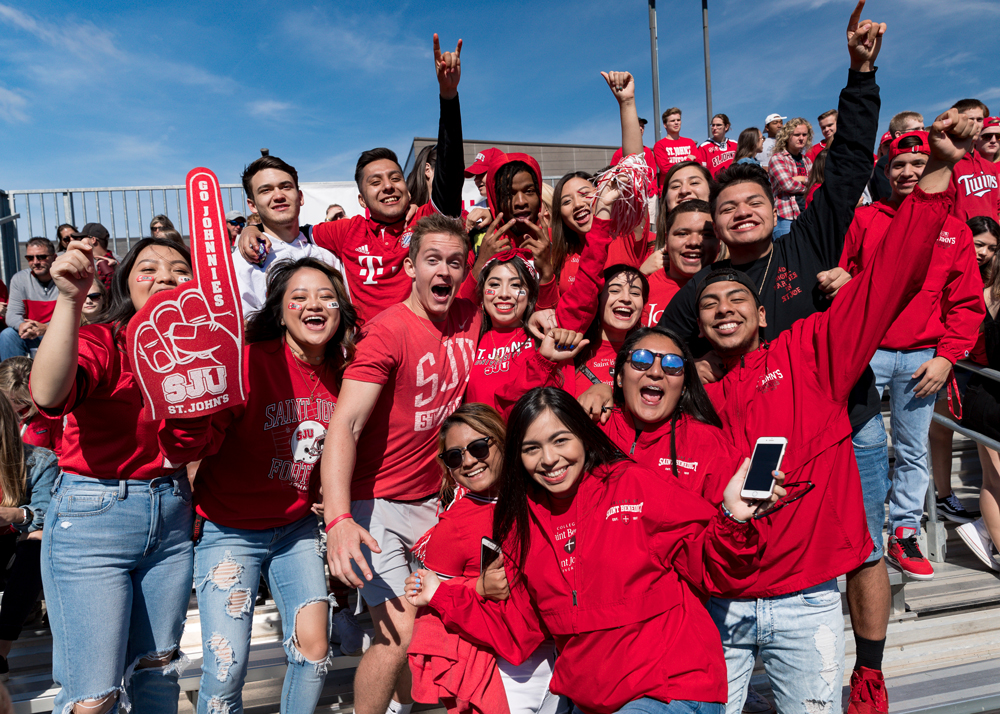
(396, 526)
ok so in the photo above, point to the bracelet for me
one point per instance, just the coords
(730, 516)
(337, 520)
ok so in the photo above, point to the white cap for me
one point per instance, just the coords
(773, 117)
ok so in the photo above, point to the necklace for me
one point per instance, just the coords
(443, 336)
(766, 268)
(312, 377)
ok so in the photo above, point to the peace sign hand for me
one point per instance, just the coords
(448, 66)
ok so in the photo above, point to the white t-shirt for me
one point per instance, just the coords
(252, 279)
(764, 157)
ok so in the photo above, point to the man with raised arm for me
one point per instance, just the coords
(797, 386)
(373, 248)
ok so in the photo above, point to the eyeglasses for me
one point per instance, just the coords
(34, 258)
(641, 360)
(479, 449)
(94, 297)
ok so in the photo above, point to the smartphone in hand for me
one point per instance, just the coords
(767, 455)
(489, 552)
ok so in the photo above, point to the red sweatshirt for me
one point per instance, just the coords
(259, 458)
(978, 184)
(949, 308)
(617, 575)
(662, 289)
(716, 157)
(668, 152)
(492, 366)
(815, 151)
(104, 435)
(797, 387)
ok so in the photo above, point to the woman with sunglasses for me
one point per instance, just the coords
(94, 305)
(610, 559)
(256, 486)
(471, 443)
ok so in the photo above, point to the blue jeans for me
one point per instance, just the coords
(800, 638)
(11, 344)
(782, 226)
(871, 451)
(228, 563)
(116, 568)
(677, 706)
(911, 420)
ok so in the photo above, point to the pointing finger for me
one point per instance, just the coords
(458, 49)
(437, 49)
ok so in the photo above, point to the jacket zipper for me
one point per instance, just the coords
(638, 432)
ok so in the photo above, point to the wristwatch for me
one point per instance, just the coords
(29, 516)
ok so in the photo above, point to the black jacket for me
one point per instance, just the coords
(790, 289)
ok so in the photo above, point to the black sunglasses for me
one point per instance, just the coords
(33, 258)
(479, 449)
(236, 223)
(641, 360)
(94, 296)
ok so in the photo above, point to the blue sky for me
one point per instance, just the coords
(136, 93)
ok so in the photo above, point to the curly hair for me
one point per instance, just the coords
(781, 143)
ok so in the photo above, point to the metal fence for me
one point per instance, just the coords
(125, 211)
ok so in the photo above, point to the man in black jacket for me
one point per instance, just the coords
(796, 276)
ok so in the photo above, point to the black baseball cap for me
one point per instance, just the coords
(93, 230)
(728, 275)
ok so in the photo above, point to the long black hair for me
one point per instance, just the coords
(694, 399)
(503, 185)
(562, 236)
(510, 519)
(529, 282)
(119, 309)
(594, 331)
(416, 182)
(265, 324)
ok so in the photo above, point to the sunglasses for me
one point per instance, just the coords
(33, 258)
(94, 297)
(992, 136)
(236, 223)
(641, 360)
(478, 449)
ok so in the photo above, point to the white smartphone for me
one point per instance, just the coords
(487, 554)
(767, 455)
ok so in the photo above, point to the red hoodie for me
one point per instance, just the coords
(491, 190)
(978, 184)
(797, 387)
(949, 308)
(617, 575)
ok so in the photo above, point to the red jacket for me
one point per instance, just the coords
(644, 555)
(949, 308)
(977, 182)
(716, 157)
(797, 387)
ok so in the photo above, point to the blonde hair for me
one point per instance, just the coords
(14, 374)
(480, 418)
(13, 474)
(781, 143)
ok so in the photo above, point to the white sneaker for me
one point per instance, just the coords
(978, 539)
(353, 638)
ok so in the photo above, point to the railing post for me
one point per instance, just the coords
(10, 261)
(68, 211)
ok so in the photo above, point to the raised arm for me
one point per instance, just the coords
(449, 167)
(852, 329)
(821, 227)
(54, 369)
(354, 405)
(623, 87)
(578, 305)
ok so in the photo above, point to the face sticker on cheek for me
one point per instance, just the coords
(144, 278)
(184, 279)
(522, 293)
(333, 305)
(489, 291)
(294, 306)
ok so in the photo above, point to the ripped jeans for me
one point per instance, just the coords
(116, 568)
(800, 638)
(228, 563)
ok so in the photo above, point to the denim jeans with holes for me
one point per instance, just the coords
(116, 568)
(228, 563)
(800, 638)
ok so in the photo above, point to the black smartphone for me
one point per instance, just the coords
(487, 554)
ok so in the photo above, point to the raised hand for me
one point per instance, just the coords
(448, 66)
(744, 509)
(560, 344)
(621, 84)
(656, 262)
(864, 40)
(951, 136)
(73, 271)
(537, 241)
(494, 241)
(831, 281)
(253, 244)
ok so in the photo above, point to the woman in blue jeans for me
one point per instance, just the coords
(116, 548)
(255, 488)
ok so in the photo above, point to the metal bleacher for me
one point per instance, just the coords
(942, 653)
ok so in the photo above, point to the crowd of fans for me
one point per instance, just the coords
(532, 371)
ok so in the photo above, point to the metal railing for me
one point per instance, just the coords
(125, 211)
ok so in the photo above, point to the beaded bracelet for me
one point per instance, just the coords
(342, 517)
(726, 513)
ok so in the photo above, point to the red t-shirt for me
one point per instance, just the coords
(453, 546)
(662, 289)
(978, 184)
(424, 368)
(714, 157)
(104, 435)
(491, 368)
(668, 152)
(260, 467)
(815, 151)
(44, 432)
(372, 254)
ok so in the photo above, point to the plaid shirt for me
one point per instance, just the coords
(781, 171)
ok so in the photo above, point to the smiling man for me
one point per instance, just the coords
(797, 386)
(32, 299)
(380, 472)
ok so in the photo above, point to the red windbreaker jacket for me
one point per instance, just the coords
(797, 387)
(646, 552)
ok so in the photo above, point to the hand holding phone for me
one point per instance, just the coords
(488, 552)
(767, 456)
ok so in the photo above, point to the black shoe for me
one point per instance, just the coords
(952, 509)
(4, 670)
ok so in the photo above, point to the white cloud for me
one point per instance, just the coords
(269, 109)
(12, 107)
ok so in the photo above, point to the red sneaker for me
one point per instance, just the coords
(904, 553)
(868, 694)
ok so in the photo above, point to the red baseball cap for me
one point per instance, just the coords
(885, 137)
(484, 159)
(990, 122)
(923, 147)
